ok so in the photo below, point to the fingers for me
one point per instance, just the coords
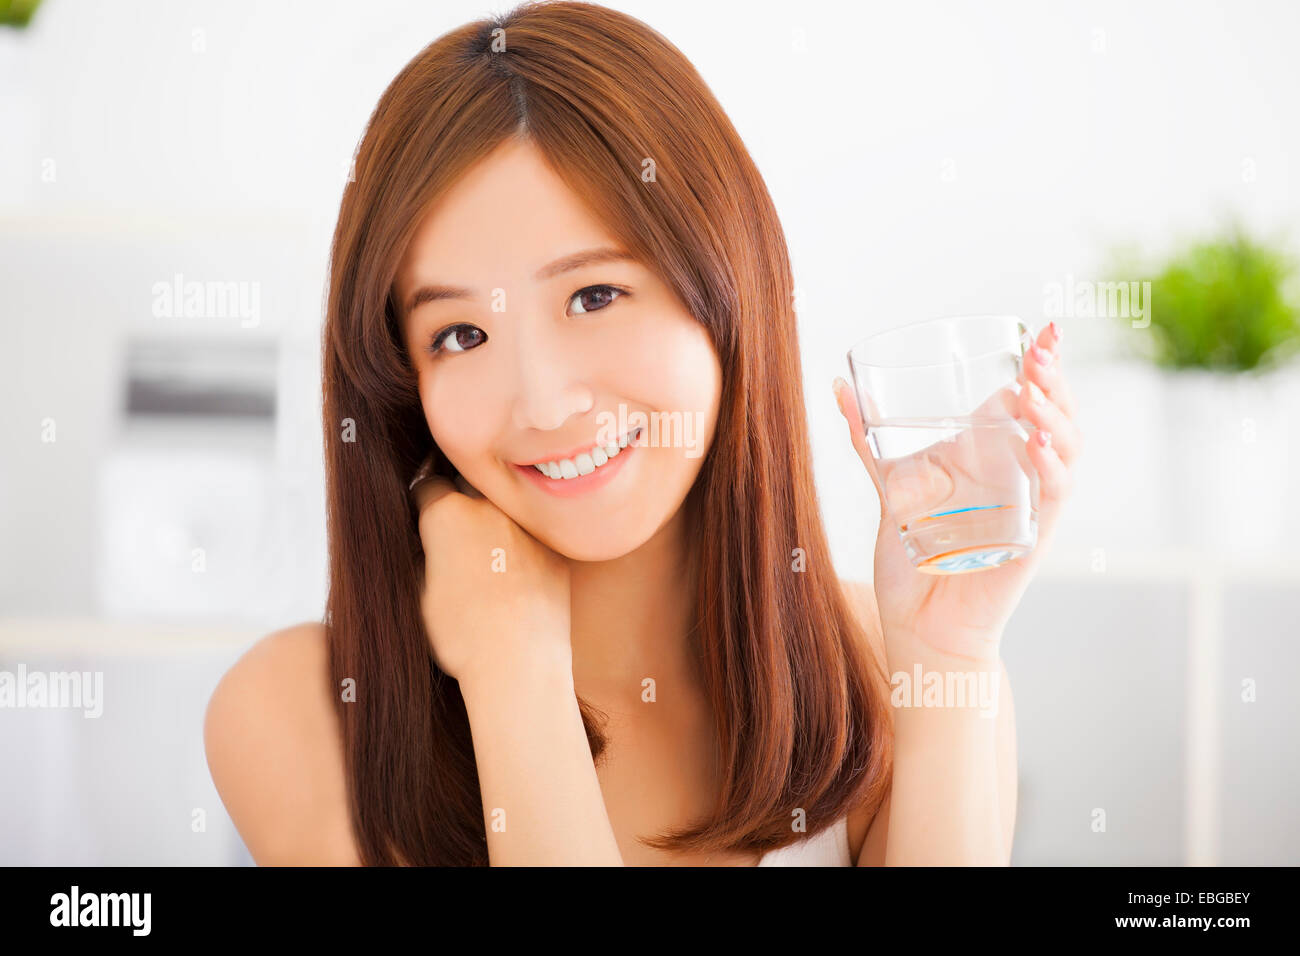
(1043, 368)
(465, 488)
(1067, 438)
(848, 405)
(1053, 473)
(428, 490)
(428, 487)
(1046, 401)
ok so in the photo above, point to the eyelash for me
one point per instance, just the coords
(435, 346)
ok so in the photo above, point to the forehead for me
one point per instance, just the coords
(504, 217)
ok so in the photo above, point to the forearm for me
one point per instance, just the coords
(945, 807)
(542, 802)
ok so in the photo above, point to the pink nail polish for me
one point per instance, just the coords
(1056, 331)
(1044, 438)
(1041, 355)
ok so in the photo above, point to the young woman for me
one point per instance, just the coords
(553, 636)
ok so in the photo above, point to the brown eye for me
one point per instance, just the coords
(458, 338)
(595, 297)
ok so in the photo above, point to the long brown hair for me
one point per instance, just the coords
(629, 125)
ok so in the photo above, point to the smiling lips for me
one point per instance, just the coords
(583, 471)
(585, 462)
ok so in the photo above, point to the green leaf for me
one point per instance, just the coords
(1224, 304)
(17, 13)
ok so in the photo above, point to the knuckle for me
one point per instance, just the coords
(437, 514)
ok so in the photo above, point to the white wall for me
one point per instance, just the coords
(925, 158)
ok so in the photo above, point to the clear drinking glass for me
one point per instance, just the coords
(939, 402)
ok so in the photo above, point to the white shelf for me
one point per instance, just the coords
(89, 635)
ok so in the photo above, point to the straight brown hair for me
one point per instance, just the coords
(798, 698)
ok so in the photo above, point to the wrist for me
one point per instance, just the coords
(960, 652)
(935, 693)
(520, 677)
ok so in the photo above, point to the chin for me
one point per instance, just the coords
(580, 542)
(580, 547)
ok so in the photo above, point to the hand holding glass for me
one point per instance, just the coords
(939, 402)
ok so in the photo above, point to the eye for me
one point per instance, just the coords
(605, 294)
(457, 338)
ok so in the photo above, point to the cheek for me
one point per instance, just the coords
(671, 366)
(454, 406)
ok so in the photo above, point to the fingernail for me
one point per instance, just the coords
(836, 386)
(1044, 438)
(1041, 355)
(1056, 331)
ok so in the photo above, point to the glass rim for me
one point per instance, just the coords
(934, 320)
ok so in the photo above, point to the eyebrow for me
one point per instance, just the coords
(436, 293)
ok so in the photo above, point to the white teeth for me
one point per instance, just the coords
(587, 462)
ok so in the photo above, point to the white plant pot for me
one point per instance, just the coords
(1227, 473)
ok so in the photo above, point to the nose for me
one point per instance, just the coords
(550, 388)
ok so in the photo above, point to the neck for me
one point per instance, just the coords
(630, 617)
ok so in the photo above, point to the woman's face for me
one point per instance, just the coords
(530, 348)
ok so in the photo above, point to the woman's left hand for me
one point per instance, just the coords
(964, 614)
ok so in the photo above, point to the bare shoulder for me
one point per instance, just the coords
(276, 755)
(863, 826)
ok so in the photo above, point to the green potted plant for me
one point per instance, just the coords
(1224, 305)
(17, 13)
(1224, 329)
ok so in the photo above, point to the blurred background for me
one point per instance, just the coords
(169, 176)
